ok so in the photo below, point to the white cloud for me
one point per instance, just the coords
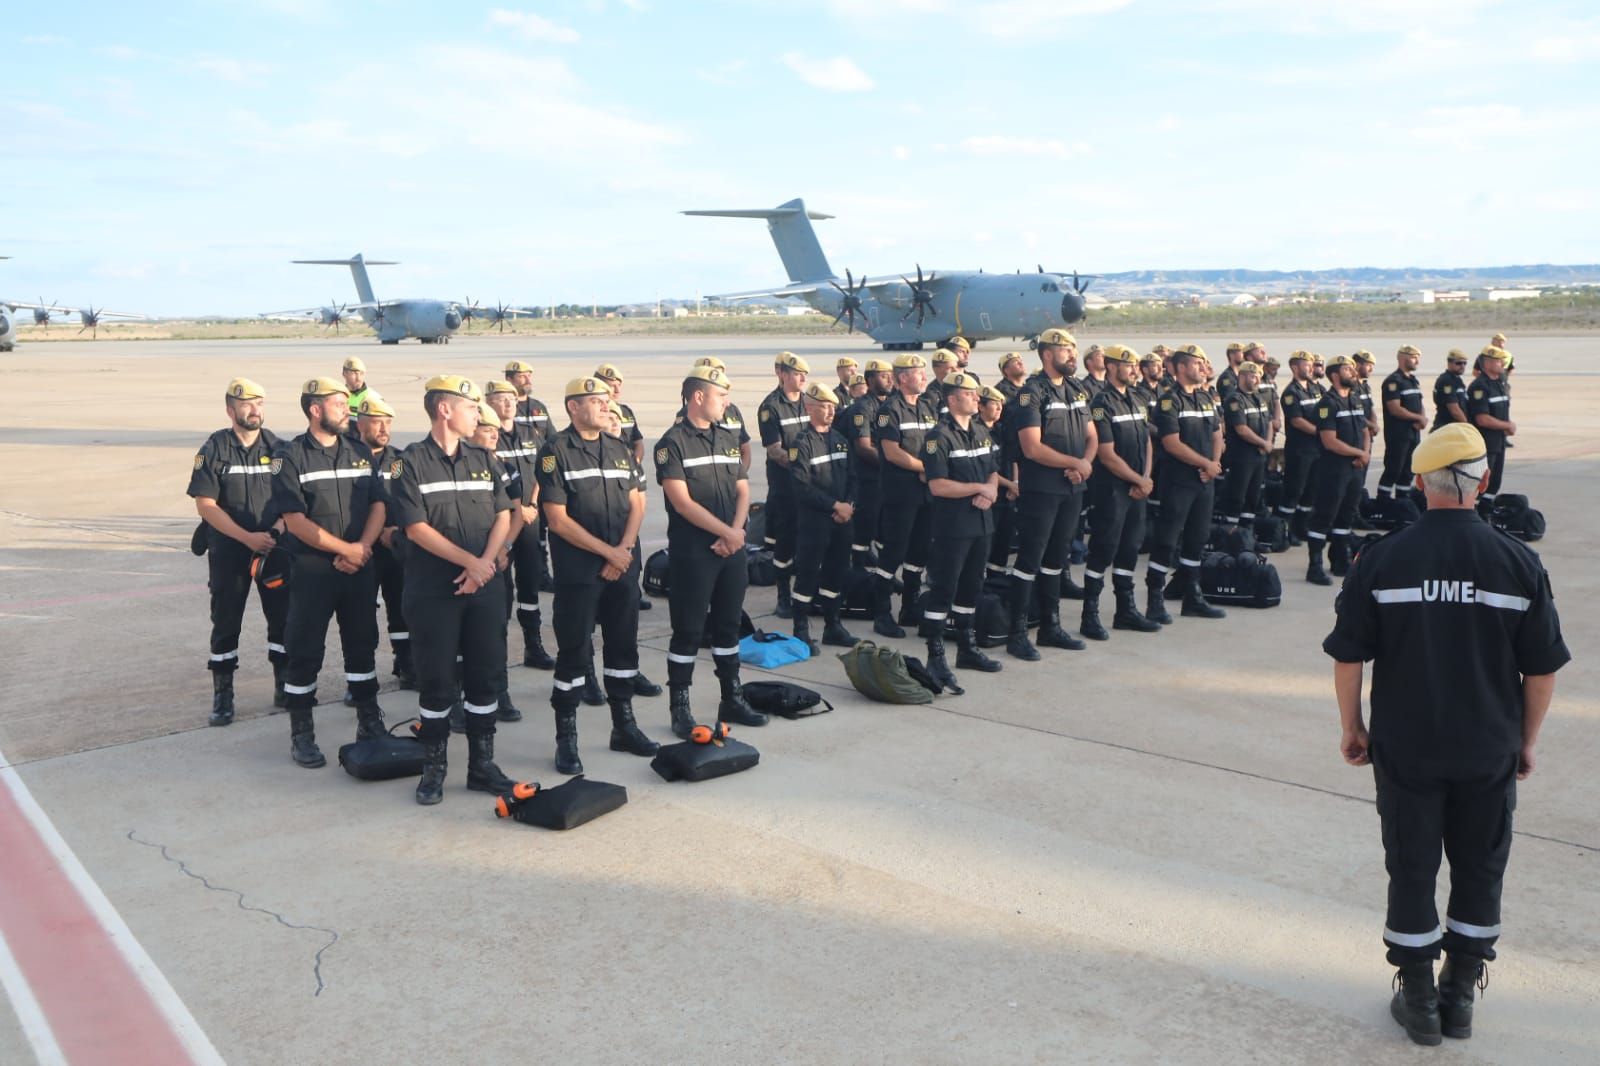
(234, 71)
(1034, 18)
(1572, 48)
(1029, 147)
(900, 152)
(724, 73)
(533, 27)
(838, 74)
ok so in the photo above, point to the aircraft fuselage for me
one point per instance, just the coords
(972, 305)
(430, 321)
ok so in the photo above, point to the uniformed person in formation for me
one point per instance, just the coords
(1460, 625)
(1094, 370)
(963, 349)
(354, 372)
(1013, 375)
(731, 419)
(855, 423)
(1056, 445)
(1269, 387)
(1190, 432)
(1365, 363)
(1119, 487)
(592, 498)
(944, 363)
(1339, 472)
(1318, 372)
(708, 500)
(1244, 462)
(961, 466)
(1403, 422)
(1489, 408)
(905, 419)
(1450, 391)
(992, 406)
(781, 416)
(1301, 445)
(232, 491)
(846, 368)
(374, 421)
(333, 506)
(825, 493)
(518, 448)
(1228, 380)
(631, 434)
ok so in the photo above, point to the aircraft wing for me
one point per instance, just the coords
(787, 290)
(15, 304)
(291, 313)
(115, 314)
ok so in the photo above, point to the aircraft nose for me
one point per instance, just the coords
(1072, 307)
(452, 319)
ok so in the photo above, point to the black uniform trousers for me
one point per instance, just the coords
(705, 591)
(1397, 449)
(1005, 525)
(527, 556)
(1338, 497)
(1184, 525)
(229, 579)
(318, 593)
(1469, 815)
(821, 557)
(1046, 525)
(955, 577)
(392, 585)
(576, 608)
(780, 520)
(1241, 488)
(1297, 464)
(903, 532)
(1497, 471)
(1116, 531)
(864, 525)
(445, 631)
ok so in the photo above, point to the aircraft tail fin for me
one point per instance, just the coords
(358, 271)
(796, 241)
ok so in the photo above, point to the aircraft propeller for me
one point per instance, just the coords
(90, 319)
(334, 315)
(378, 316)
(41, 315)
(850, 305)
(469, 311)
(498, 316)
(921, 297)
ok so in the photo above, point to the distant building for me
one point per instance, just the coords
(1417, 296)
(799, 309)
(1228, 299)
(1505, 294)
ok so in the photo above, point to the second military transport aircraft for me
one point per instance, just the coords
(904, 310)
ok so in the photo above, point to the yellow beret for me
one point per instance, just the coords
(1456, 353)
(960, 380)
(1338, 361)
(375, 407)
(487, 415)
(845, 361)
(245, 389)
(1498, 340)
(1247, 367)
(615, 408)
(586, 387)
(1299, 355)
(1316, 357)
(1491, 352)
(1459, 442)
(1363, 356)
(790, 361)
(517, 366)
(1192, 350)
(960, 342)
(714, 375)
(492, 387)
(453, 383)
(1162, 350)
(1056, 336)
(855, 379)
(990, 394)
(1120, 353)
(945, 356)
(1252, 346)
(1271, 363)
(1150, 357)
(1408, 349)
(879, 366)
(910, 361)
(711, 360)
(817, 392)
(323, 387)
(355, 363)
(1234, 346)
(607, 372)
(1004, 359)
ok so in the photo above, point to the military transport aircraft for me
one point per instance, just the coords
(902, 311)
(429, 321)
(89, 317)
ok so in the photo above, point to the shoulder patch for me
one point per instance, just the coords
(1322, 411)
(277, 465)
(861, 419)
(661, 455)
(933, 445)
(1477, 394)
(883, 419)
(199, 461)
(766, 414)
(1393, 386)
(1166, 404)
(396, 467)
(1233, 405)
(548, 464)
(1024, 399)
(794, 453)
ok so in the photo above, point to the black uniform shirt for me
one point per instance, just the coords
(519, 451)
(1009, 388)
(908, 425)
(855, 423)
(780, 420)
(1300, 401)
(594, 480)
(732, 420)
(1345, 416)
(1122, 420)
(968, 455)
(1486, 397)
(707, 462)
(334, 487)
(935, 395)
(1448, 389)
(459, 497)
(1092, 385)
(842, 392)
(1408, 390)
(1061, 414)
(1363, 389)
(238, 478)
(1147, 396)
(533, 421)
(1247, 409)
(823, 468)
(630, 425)
(1193, 417)
(1227, 381)
(1452, 613)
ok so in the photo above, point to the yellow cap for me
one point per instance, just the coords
(355, 363)
(816, 392)
(715, 375)
(1299, 355)
(1194, 350)
(1363, 356)
(1150, 357)
(960, 380)
(1271, 363)
(790, 361)
(1491, 352)
(1456, 353)
(1459, 442)
(586, 387)
(845, 361)
(492, 387)
(1247, 367)
(487, 415)
(990, 394)
(1120, 353)
(1408, 349)
(945, 357)
(607, 372)
(711, 360)
(1316, 357)
(517, 366)
(245, 389)
(1004, 359)
(1055, 336)
(960, 342)
(1234, 346)
(855, 379)
(1252, 346)
(453, 383)
(1162, 350)
(910, 361)
(615, 408)
(1338, 361)
(879, 366)
(323, 387)
(375, 407)
(1498, 340)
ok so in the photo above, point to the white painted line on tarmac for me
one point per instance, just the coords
(35, 1026)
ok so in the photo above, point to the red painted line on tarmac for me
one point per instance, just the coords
(98, 597)
(95, 1004)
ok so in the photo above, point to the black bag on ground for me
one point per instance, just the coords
(762, 570)
(1246, 580)
(992, 619)
(1232, 540)
(383, 758)
(1272, 490)
(689, 761)
(1512, 514)
(784, 699)
(755, 526)
(857, 599)
(564, 806)
(1272, 533)
(1386, 513)
(885, 675)
(655, 573)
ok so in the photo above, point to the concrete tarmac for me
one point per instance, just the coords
(1146, 852)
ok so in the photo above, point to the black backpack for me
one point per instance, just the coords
(1512, 514)
(1246, 580)
(655, 573)
(784, 699)
(1272, 533)
(857, 600)
(1386, 513)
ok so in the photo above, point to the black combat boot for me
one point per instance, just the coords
(1155, 604)
(1315, 574)
(625, 733)
(1459, 978)
(883, 622)
(643, 686)
(404, 673)
(1338, 554)
(591, 694)
(1177, 585)
(303, 740)
(1070, 589)
(969, 656)
(221, 698)
(533, 653)
(482, 774)
(682, 716)
(1416, 1003)
(567, 761)
(1017, 644)
(834, 634)
(430, 789)
(939, 667)
(802, 631)
(280, 698)
(733, 707)
(910, 610)
(1195, 605)
(369, 720)
(1089, 625)
(1297, 527)
(505, 710)
(1128, 616)
(458, 716)
(1051, 635)
(785, 608)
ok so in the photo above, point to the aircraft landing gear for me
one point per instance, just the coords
(395, 341)
(903, 346)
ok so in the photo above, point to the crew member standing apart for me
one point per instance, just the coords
(1339, 472)
(781, 417)
(1190, 433)
(354, 372)
(904, 421)
(1248, 421)
(594, 505)
(824, 485)
(1301, 445)
(232, 491)
(374, 420)
(332, 503)
(961, 465)
(1403, 422)
(1119, 486)
(708, 501)
(1489, 407)
(1056, 444)
(1460, 625)
(856, 423)
(1450, 392)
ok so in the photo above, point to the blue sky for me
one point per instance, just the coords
(173, 162)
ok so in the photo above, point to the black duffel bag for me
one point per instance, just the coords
(1246, 580)
(654, 577)
(1272, 533)
(1512, 514)
(1387, 512)
(565, 806)
(1231, 539)
(763, 572)
(1272, 490)
(755, 526)
(856, 601)
(383, 758)
(784, 699)
(701, 760)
